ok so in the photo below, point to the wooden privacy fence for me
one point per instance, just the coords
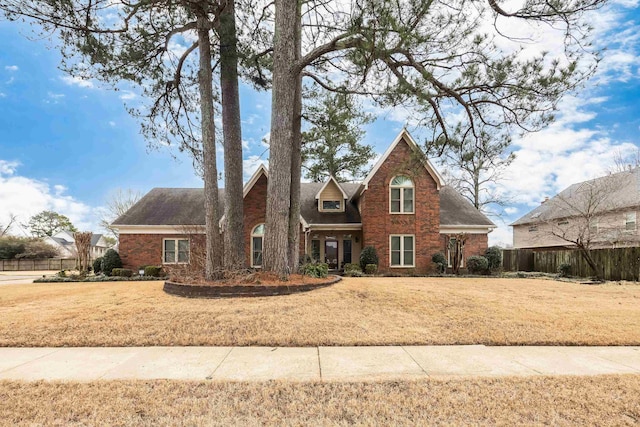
(517, 260)
(616, 264)
(37, 264)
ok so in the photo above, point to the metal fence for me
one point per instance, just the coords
(37, 264)
(616, 263)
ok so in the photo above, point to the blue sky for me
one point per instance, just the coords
(67, 144)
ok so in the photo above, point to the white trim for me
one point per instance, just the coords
(469, 229)
(354, 226)
(413, 250)
(262, 170)
(251, 237)
(331, 178)
(397, 187)
(410, 141)
(175, 239)
(159, 229)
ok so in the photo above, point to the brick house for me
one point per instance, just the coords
(402, 208)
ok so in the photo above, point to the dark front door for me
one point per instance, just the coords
(331, 253)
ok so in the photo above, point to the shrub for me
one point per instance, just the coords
(11, 246)
(352, 267)
(305, 259)
(110, 260)
(477, 264)
(494, 257)
(368, 256)
(440, 261)
(97, 265)
(61, 273)
(153, 271)
(317, 270)
(371, 268)
(564, 270)
(122, 272)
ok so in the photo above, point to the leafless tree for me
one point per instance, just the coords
(574, 215)
(624, 161)
(4, 228)
(83, 248)
(118, 204)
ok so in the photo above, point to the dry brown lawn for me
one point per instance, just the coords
(602, 400)
(356, 311)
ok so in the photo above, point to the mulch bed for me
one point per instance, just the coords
(255, 285)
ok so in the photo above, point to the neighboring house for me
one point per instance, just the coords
(603, 210)
(402, 208)
(66, 245)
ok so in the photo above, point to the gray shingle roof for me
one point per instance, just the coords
(185, 206)
(615, 191)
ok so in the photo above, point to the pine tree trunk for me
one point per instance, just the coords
(233, 212)
(213, 269)
(283, 104)
(296, 160)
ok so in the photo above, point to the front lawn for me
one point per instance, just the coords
(356, 311)
(601, 400)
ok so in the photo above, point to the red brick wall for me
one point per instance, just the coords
(255, 208)
(378, 223)
(476, 244)
(146, 249)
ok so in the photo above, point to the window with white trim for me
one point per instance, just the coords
(402, 250)
(630, 221)
(401, 195)
(331, 205)
(175, 251)
(256, 245)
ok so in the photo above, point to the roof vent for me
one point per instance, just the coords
(546, 199)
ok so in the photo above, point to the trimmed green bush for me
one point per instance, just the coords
(110, 260)
(368, 256)
(352, 267)
(121, 272)
(153, 271)
(371, 268)
(477, 264)
(564, 270)
(97, 265)
(440, 261)
(317, 270)
(494, 257)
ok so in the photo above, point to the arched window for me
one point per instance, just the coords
(256, 245)
(401, 195)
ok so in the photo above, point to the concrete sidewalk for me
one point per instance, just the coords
(311, 363)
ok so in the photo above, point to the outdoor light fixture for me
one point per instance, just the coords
(141, 272)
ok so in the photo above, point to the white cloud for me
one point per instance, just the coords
(112, 124)
(251, 164)
(11, 67)
(25, 197)
(127, 95)
(3, 95)
(77, 81)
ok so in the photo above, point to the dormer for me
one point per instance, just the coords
(331, 197)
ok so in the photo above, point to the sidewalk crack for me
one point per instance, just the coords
(210, 376)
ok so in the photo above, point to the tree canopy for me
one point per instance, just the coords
(48, 223)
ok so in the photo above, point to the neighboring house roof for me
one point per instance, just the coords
(185, 206)
(617, 191)
(95, 239)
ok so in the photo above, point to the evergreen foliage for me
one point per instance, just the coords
(110, 260)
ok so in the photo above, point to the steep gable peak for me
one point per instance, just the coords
(405, 137)
(262, 170)
(336, 183)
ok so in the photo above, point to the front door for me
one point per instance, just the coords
(331, 253)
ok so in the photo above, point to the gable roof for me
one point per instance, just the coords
(619, 191)
(456, 210)
(262, 170)
(335, 181)
(406, 137)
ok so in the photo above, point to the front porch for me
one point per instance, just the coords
(334, 247)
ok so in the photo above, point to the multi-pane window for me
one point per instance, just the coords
(331, 205)
(256, 245)
(315, 250)
(402, 250)
(401, 195)
(630, 220)
(176, 251)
